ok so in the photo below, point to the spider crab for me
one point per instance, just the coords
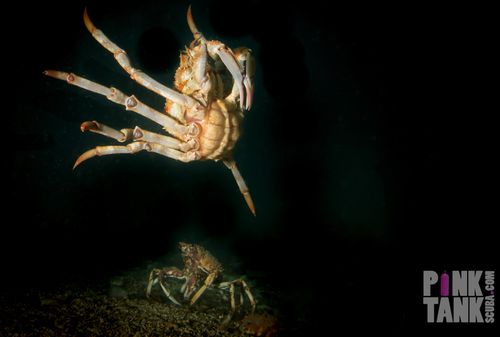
(201, 270)
(202, 117)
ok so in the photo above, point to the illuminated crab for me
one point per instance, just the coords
(201, 270)
(202, 118)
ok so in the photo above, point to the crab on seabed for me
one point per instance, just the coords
(201, 270)
(203, 116)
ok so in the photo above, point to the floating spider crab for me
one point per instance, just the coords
(201, 270)
(202, 118)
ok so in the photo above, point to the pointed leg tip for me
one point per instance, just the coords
(80, 160)
(250, 204)
(86, 19)
(251, 207)
(85, 15)
(84, 156)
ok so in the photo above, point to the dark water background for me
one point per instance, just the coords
(363, 153)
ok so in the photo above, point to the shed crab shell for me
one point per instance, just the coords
(203, 117)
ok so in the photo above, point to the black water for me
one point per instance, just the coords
(362, 153)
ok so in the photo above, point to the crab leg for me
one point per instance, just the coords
(167, 293)
(151, 283)
(208, 281)
(170, 142)
(99, 128)
(188, 287)
(235, 92)
(232, 303)
(241, 78)
(129, 102)
(136, 147)
(231, 164)
(113, 149)
(153, 280)
(244, 287)
(247, 62)
(138, 134)
(137, 75)
(231, 292)
(232, 65)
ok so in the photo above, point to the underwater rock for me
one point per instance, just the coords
(260, 325)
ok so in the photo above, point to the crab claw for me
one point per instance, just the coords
(247, 63)
(233, 66)
(241, 65)
(249, 87)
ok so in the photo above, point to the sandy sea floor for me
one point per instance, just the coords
(119, 307)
